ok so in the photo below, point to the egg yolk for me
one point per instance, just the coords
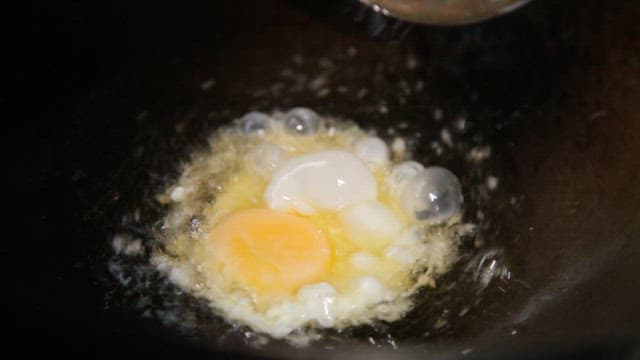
(269, 252)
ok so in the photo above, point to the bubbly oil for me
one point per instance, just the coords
(219, 182)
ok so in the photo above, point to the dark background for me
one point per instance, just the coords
(76, 75)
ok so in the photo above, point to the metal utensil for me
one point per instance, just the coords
(444, 12)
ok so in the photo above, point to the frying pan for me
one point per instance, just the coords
(114, 96)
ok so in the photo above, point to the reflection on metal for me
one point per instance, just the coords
(444, 12)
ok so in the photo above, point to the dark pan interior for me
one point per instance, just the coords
(110, 98)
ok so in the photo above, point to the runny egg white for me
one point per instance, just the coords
(291, 222)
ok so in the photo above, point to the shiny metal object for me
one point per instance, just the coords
(444, 12)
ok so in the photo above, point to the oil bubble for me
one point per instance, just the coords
(434, 194)
(401, 175)
(255, 122)
(302, 121)
(372, 150)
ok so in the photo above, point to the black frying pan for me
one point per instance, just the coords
(553, 88)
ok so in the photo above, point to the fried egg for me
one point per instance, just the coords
(290, 222)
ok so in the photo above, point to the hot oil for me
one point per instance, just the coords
(440, 150)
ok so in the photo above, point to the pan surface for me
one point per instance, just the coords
(113, 97)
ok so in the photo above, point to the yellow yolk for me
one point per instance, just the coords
(269, 252)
